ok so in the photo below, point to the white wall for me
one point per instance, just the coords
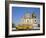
(2, 20)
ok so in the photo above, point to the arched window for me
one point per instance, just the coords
(35, 21)
(28, 20)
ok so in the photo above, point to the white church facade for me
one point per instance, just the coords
(30, 19)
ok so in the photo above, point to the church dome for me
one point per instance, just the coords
(27, 15)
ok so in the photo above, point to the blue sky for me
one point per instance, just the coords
(17, 12)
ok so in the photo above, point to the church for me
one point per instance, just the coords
(28, 21)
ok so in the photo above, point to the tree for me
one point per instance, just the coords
(33, 15)
(13, 25)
